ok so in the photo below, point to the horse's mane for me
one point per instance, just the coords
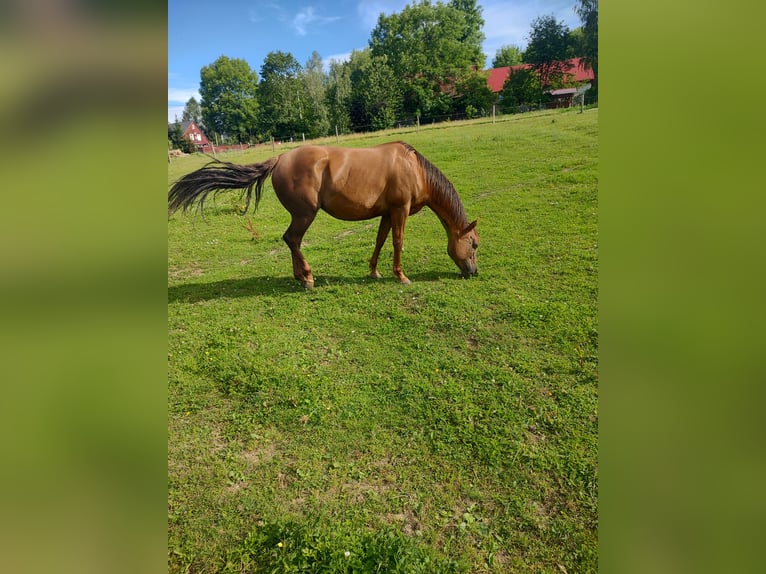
(443, 193)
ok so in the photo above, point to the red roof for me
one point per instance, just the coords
(580, 73)
(192, 132)
(498, 76)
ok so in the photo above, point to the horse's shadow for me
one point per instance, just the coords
(277, 286)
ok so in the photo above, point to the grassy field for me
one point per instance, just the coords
(365, 426)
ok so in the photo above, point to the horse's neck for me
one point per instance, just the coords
(452, 223)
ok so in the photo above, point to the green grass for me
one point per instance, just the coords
(365, 426)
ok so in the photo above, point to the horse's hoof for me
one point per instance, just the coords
(405, 281)
(376, 275)
(308, 284)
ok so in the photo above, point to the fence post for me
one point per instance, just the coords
(272, 144)
(337, 140)
(214, 154)
(493, 113)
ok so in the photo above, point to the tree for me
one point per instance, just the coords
(192, 112)
(587, 10)
(576, 43)
(229, 105)
(177, 139)
(474, 96)
(281, 96)
(375, 93)
(175, 134)
(521, 90)
(508, 55)
(472, 36)
(339, 96)
(315, 88)
(547, 50)
(427, 46)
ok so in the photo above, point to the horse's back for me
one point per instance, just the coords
(348, 183)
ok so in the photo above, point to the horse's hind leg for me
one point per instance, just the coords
(383, 229)
(293, 237)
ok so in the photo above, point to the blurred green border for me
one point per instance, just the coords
(83, 287)
(681, 269)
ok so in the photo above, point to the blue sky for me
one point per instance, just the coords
(199, 31)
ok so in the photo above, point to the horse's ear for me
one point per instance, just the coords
(471, 227)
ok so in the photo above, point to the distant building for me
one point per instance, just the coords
(577, 74)
(562, 98)
(192, 133)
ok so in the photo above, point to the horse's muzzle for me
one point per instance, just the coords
(469, 270)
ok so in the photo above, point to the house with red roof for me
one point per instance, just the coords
(578, 74)
(195, 135)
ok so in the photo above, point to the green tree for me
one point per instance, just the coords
(474, 96)
(375, 93)
(575, 43)
(229, 104)
(548, 50)
(177, 139)
(508, 55)
(193, 112)
(339, 96)
(428, 46)
(521, 91)
(587, 10)
(315, 112)
(175, 134)
(281, 96)
(472, 35)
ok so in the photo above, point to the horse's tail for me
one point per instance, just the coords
(219, 176)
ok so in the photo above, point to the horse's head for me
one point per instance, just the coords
(462, 248)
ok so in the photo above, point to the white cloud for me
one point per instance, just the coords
(345, 57)
(182, 95)
(306, 16)
(177, 98)
(506, 21)
(369, 10)
(265, 12)
(175, 112)
(510, 23)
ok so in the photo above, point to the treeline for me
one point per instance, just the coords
(422, 64)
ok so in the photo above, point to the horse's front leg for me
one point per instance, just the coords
(398, 219)
(383, 229)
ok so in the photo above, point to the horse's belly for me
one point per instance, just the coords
(352, 208)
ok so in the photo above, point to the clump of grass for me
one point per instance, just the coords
(254, 234)
(303, 547)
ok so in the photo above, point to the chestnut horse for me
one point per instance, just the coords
(390, 181)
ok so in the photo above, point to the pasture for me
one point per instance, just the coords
(449, 425)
